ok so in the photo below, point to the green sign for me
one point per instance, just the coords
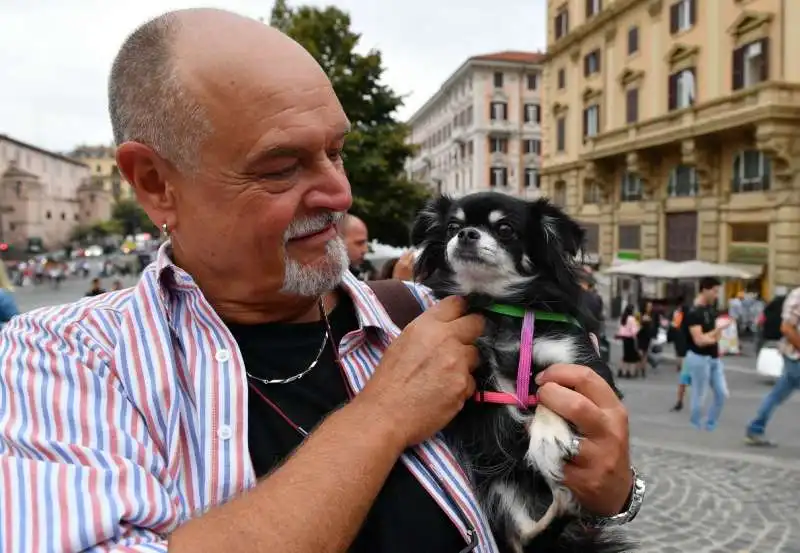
(629, 256)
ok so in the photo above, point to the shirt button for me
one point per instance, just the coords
(225, 432)
(222, 355)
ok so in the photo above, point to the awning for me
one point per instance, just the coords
(753, 270)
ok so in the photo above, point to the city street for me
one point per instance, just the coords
(707, 492)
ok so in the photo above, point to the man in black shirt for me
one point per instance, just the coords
(702, 358)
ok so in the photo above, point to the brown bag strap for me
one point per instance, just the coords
(397, 299)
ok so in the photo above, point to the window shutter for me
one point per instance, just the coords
(632, 105)
(692, 12)
(588, 8)
(537, 110)
(597, 55)
(505, 111)
(737, 69)
(695, 87)
(491, 111)
(505, 176)
(765, 56)
(673, 19)
(585, 121)
(673, 92)
(586, 65)
(525, 118)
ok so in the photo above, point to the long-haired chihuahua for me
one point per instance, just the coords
(510, 257)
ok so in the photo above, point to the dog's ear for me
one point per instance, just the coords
(430, 232)
(430, 220)
(560, 228)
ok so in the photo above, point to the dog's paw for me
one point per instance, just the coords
(550, 439)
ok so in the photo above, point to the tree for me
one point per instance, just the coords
(376, 150)
(131, 218)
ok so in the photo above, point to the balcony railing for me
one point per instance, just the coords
(757, 184)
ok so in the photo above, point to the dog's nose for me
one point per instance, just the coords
(468, 235)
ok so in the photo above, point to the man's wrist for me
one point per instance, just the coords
(631, 507)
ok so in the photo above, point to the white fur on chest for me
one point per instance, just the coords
(549, 441)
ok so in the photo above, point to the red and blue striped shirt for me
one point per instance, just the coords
(125, 414)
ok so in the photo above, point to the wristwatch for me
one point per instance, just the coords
(632, 506)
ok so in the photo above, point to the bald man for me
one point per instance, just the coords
(356, 237)
(249, 394)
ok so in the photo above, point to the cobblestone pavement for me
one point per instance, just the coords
(708, 504)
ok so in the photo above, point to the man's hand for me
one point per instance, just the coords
(404, 268)
(600, 476)
(425, 376)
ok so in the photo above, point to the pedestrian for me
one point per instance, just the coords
(8, 306)
(645, 336)
(249, 393)
(96, 288)
(789, 381)
(702, 358)
(356, 239)
(679, 342)
(627, 332)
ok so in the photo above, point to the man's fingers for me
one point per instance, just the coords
(574, 407)
(584, 381)
(448, 309)
(467, 329)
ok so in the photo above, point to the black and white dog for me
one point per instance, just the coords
(496, 249)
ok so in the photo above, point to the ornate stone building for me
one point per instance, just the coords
(44, 195)
(672, 130)
(102, 163)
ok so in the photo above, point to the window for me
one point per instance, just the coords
(633, 40)
(498, 176)
(561, 23)
(591, 63)
(631, 188)
(681, 89)
(593, 7)
(561, 134)
(682, 182)
(682, 15)
(498, 111)
(533, 81)
(591, 121)
(498, 79)
(751, 172)
(631, 105)
(531, 113)
(562, 78)
(751, 64)
(498, 145)
(630, 237)
(48, 215)
(532, 146)
(531, 177)
(591, 192)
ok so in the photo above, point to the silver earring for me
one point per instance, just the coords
(164, 229)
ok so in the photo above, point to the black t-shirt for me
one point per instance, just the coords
(706, 317)
(404, 517)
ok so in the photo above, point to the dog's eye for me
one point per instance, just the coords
(453, 228)
(504, 230)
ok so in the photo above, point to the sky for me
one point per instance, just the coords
(55, 54)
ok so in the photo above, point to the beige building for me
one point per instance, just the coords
(481, 130)
(672, 129)
(102, 162)
(44, 195)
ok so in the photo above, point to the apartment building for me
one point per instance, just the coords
(672, 130)
(481, 130)
(44, 195)
(102, 162)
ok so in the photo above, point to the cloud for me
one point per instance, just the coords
(55, 55)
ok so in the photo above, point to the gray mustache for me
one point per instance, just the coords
(310, 225)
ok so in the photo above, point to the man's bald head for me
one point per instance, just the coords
(171, 71)
(356, 238)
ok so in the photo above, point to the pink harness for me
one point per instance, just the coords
(521, 398)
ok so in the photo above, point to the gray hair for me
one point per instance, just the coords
(147, 101)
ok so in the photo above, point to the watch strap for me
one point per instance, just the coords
(632, 507)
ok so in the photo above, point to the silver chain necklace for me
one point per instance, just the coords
(313, 364)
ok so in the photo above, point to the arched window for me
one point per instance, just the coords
(751, 172)
(631, 187)
(682, 182)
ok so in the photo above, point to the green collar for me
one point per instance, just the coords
(519, 312)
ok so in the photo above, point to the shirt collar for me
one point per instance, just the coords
(370, 312)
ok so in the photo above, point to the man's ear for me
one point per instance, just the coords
(149, 175)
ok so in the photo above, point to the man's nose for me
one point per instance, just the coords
(468, 235)
(330, 191)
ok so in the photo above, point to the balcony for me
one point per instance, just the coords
(773, 109)
(500, 126)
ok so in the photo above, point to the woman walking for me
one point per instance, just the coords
(645, 336)
(628, 331)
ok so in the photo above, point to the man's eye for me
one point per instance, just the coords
(282, 173)
(335, 155)
(453, 228)
(504, 230)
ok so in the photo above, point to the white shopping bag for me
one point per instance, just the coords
(769, 362)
